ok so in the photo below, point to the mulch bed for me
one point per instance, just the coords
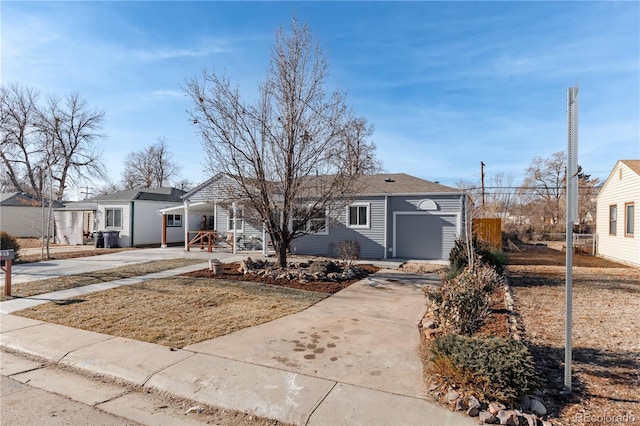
(230, 271)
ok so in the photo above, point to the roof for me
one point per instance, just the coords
(22, 199)
(385, 184)
(167, 194)
(400, 183)
(634, 165)
(379, 184)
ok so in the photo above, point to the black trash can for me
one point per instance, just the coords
(99, 239)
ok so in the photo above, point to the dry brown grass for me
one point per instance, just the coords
(177, 311)
(34, 288)
(606, 326)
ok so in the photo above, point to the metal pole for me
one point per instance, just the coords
(571, 217)
(482, 179)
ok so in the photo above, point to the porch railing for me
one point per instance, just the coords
(208, 239)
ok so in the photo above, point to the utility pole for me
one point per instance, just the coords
(482, 180)
(86, 192)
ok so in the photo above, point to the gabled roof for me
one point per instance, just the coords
(22, 199)
(167, 194)
(634, 165)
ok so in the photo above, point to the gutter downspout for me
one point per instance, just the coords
(132, 222)
(386, 225)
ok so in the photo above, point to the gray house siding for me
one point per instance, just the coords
(371, 239)
(407, 217)
(22, 221)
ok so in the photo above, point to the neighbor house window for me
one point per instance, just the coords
(628, 219)
(613, 219)
(236, 222)
(358, 216)
(174, 220)
(113, 218)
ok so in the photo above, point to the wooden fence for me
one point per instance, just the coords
(490, 230)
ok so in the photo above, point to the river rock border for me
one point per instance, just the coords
(531, 410)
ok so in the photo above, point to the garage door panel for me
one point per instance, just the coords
(425, 236)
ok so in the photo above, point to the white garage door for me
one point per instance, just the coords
(424, 236)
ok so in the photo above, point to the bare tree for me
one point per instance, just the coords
(545, 184)
(281, 151)
(151, 167)
(56, 141)
(500, 198)
(22, 149)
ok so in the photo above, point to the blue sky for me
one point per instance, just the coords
(446, 84)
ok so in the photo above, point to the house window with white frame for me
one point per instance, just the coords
(628, 219)
(237, 221)
(315, 224)
(358, 215)
(174, 220)
(113, 218)
(318, 222)
(613, 219)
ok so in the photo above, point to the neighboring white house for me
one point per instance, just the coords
(22, 214)
(393, 216)
(617, 223)
(133, 214)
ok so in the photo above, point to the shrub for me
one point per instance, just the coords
(463, 301)
(9, 242)
(493, 368)
(459, 259)
(349, 250)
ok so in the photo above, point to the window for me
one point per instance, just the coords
(358, 216)
(613, 219)
(237, 221)
(113, 218)
(174, 220)
(315, 224)
(318, 222)
(628, 219)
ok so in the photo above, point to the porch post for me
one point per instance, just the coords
(186, 225)
(264, 239)
(235, 218)
(164, 231)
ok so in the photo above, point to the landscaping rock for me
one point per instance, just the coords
(461, 405)
(508, 417)
(538, 408)
(473, 411)
(494, 407)
(472, 401)
(452, 395)
(487, 417)
(531, 419)
(525, 403)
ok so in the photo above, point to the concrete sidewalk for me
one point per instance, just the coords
(350, 359)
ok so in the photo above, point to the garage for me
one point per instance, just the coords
(422, 235)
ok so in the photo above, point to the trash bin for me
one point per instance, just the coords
(99, 239)
(111, 238)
